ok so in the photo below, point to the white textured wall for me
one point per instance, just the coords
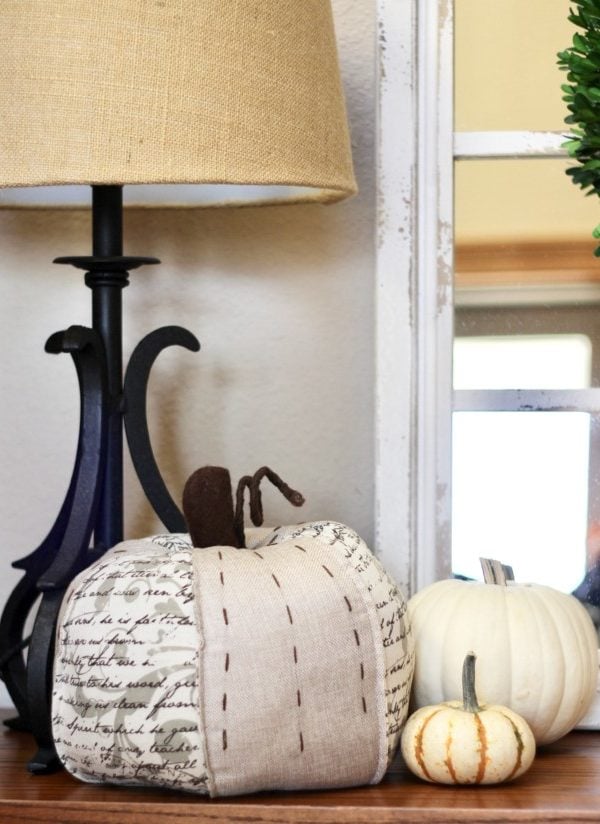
(281, 299)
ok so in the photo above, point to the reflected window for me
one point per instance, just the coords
(526, 417)
(520, 479)
(523, 361)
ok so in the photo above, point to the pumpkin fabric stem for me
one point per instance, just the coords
(208, 504)
(208, 508)
(470, 702)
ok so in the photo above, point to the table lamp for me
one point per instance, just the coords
(222, 102)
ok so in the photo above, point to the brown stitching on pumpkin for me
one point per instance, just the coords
(259, 555)
(301, 742)
(356, 638)
(348, 604)
(301, 548)
(289, 612)
(226, 662)
(221, 577)
(328, 571)
(295, 655)
(225, 618)
(220, 555)
(224, 701)
(362, 671)
(224, 739)
(299, 698)
(364, 703)
(275, 579)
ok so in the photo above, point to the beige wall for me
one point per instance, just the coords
(281, 299)
(507, 78)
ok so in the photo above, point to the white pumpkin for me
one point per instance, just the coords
(463, 742)
(536, 650)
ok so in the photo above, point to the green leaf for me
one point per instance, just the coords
(581, 96)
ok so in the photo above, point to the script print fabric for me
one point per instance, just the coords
(141, 687)
(125, 701)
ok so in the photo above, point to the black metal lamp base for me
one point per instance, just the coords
(91, 517)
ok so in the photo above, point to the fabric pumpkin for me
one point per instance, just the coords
(536, 649)
(283, 665)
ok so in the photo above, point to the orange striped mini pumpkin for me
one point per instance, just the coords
(461, 742)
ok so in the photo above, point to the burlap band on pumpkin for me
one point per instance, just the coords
(291, 670)
(132, 91)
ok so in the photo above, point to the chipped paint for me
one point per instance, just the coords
(414, 289)
(506, 144)
(395, 277)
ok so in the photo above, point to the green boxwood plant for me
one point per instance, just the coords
(582, 95)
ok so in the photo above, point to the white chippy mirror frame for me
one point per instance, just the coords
(414, 295)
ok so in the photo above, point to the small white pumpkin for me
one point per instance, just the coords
(461, 742)
(536, 649)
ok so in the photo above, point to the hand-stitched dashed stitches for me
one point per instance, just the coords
(294, 648)
(356, 638)
(333, 587)
(226, 620)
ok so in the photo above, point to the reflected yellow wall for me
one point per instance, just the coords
(507, 79)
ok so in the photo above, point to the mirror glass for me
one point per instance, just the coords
(526, 440)
(504, 50)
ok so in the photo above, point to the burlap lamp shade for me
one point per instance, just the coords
(174, 91)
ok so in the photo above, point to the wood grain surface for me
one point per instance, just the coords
(563, 785)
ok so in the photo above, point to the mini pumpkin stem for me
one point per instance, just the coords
(470, 702)
(252, 483)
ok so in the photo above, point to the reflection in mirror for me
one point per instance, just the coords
(526, 441)
(505, 67)
(526, 460)
(512, 491)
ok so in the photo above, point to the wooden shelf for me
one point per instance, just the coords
(562, 785)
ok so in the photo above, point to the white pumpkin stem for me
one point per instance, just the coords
(470, 702)
(495, 572)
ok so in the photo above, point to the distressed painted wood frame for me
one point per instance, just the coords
(417, 147)
(414, 312)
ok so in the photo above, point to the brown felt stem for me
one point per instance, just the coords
(208, 508)
(253, 484)
(243, 483)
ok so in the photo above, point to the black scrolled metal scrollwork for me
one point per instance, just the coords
(61, 555)
(68, 549)
(19, 605)
(136, 423)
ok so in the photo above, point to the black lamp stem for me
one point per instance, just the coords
(107, 221)
(93, 504)
(107, 320)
